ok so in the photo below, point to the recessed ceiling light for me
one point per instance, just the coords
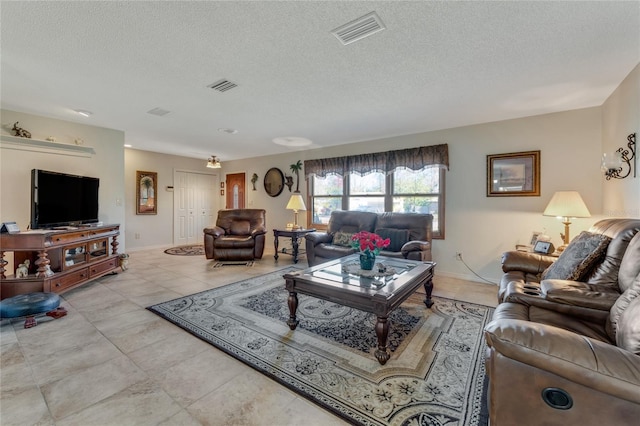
(84, 113)
(292, 141)
(230, 131)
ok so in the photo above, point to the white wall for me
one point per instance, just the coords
(156, 230)
(107, 164)
(621, 117)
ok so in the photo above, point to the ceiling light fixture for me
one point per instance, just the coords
(84, 113)
(213, 162)
(292, 141)
(230, 131)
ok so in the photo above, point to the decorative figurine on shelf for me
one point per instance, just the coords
(51, 139)
(295, 168)
(47, 271)
(254, 179)
(22, 271)
(79, 141)
(20, 132)
(288, 181)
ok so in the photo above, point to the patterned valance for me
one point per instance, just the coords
(411, 158)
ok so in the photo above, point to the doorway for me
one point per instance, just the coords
(194, 202)
(235, 184)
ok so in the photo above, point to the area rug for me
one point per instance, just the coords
(434, 377)
(221, 263)
(188, 250)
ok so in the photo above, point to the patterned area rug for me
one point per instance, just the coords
(434, 377)
(188, 250)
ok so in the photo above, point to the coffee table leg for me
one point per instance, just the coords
(428, 288)
(292, 322)
(382, 331)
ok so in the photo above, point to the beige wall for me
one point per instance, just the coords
(107, 164)
(156, 230)
(480, 227)
(621, 117)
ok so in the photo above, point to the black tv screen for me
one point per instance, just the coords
(59, 199)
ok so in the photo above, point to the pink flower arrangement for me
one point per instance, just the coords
(368, 241)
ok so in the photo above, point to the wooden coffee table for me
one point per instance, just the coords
(340, 281)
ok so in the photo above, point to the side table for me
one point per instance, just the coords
(295, 234)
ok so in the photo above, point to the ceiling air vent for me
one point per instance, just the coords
(360, 28)
(158, 111)
(222, 85)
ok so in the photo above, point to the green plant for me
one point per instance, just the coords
(296, 168)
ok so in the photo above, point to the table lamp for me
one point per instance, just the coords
(566, 205)
(296, 203)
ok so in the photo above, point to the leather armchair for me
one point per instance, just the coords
(238, 235)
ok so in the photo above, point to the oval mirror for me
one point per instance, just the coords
(274, 182)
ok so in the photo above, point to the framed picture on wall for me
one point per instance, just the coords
(515, 174)
(146, 192)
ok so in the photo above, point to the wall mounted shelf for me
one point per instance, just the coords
(38, 145)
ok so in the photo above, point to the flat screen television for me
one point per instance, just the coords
(59, 199)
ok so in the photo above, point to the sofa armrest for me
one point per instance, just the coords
(415, 246)
(259, 230)
(531, 263)
(319, 237)
(216, 231)
(591, 363)
(577, 293)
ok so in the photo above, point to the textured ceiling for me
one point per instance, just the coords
(437, 65)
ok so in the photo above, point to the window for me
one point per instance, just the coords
(411, 192)
(408, 180)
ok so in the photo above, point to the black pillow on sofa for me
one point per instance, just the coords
(579, 258)
(398, 237)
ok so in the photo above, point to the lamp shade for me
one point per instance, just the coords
(296, 203)
(566, 204)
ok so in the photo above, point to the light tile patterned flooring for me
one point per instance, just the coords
(112, 362)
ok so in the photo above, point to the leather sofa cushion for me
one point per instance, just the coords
(240, 227)
(231, 242)
(622, 231)
(577, 293)
(398, 237)
(332, 251)
(342, 239)
(628, 335)
(630, 265)
(618, 314)
(579, 258)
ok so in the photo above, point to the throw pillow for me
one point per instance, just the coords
(579, 258)
(342, 239)
(240, 227)
(398, 237)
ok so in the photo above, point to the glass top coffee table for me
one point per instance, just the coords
(379, 291)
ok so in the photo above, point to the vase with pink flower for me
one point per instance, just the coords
(368, 245)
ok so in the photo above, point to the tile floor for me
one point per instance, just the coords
(112, 362)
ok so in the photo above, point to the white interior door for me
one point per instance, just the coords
(194, 204)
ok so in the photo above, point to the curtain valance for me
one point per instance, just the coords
(412, 158)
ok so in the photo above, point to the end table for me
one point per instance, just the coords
(295, 234)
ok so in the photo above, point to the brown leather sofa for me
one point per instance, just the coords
(568, 352)
(239, 234)
(410, 235)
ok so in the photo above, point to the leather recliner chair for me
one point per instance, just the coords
(239, 234)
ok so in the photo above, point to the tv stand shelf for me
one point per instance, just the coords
(59, 259)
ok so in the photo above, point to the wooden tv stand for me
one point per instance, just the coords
(59, 259)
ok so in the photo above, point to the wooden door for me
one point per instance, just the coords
(235, 188)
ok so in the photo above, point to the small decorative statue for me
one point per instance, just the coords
(22, 271)
(124, 261)
(47, 271)
(51, 139)
(20, 131)
(288, 181)
(254, 179)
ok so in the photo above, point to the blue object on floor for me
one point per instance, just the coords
(24, 305)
